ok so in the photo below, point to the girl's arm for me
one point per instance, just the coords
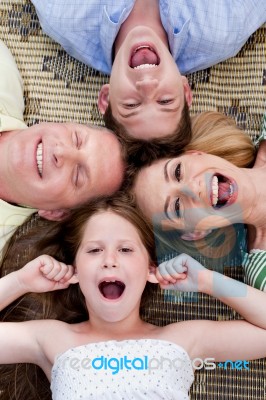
(43, 274)
(19, 341)
(221, 340)
(249, 302)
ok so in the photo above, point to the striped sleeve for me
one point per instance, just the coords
(254, 265)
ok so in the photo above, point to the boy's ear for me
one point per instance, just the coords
(195, 235)
(54, 215)
(187, 91)
(103, 98)
(151, 276)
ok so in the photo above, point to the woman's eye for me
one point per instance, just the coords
(177, 207)
(178, 172)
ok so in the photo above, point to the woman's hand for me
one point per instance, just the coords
(45, 274)
(183, 273)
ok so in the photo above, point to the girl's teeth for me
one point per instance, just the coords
(214, 190)
(39, 158)
(142, 66)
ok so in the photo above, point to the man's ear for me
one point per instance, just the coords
(103, 98)
(187, 91)
(54, 215)
(152, 277)
(195, 235)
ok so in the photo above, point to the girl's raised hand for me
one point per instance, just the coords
(183, 273)
(45, 274)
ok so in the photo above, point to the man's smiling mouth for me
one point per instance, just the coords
(39, 158)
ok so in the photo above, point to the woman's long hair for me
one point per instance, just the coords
(60, 240)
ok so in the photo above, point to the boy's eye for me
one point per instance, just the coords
(178, 172)
(131, 105)
(165, 101)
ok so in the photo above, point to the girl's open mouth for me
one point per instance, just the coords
(112, 289)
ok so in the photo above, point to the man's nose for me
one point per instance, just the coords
(147, 86)
(63, 154)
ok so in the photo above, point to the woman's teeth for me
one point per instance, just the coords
(215, 189)
(221, 191)
(39, 158)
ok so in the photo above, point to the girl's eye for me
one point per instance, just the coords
(178, 172)
(177, 207)
(94, 250)
(125, 250)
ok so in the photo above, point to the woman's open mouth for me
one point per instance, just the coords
(111, 289)
(223, 191)
(144, 56)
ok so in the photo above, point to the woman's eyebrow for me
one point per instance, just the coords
(166, 176)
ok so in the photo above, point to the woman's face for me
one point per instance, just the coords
(196, 191)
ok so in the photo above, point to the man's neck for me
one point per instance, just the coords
(145, 13)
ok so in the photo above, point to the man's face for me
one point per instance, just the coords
(146, 90)
(51, 165)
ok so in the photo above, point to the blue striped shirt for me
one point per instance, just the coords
(200, 32)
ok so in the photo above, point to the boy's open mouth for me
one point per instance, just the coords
(144, 56)
(111, 290)
(222, 191)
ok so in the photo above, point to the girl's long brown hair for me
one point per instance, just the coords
(60, 240)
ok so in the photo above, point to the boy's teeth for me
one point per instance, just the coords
(142, 66)
(39, 158)
(215, 188)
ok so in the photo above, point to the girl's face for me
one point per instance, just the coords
(196, 191)
(112, 266)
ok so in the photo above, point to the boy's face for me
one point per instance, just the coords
(53, 165)
(146, 90)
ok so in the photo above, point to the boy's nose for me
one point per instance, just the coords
(147, 86)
